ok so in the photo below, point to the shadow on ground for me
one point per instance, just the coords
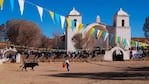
(126, 73)
(105, 75)
(138, 68)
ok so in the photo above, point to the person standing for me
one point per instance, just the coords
(67, 65)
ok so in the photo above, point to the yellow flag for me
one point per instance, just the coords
(132, 42)
(68, 23)
(136, 44)
(52, 15)
(91, 31)
(80, 27)
(99, 35)
(122, 40)
(1, 4)
(143, 45)
(116, 38)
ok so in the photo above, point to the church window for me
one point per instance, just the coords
(123, 23)
(75, 20)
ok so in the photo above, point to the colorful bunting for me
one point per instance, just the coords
(40, 10)
(99, 34)
(68, 20)
(111, 37)
(52, 15)
(128, 42)
(116, 39)
(136, 44)
(125, 42)
(80, 27)
(62, 21)
(119, 38)
(57, 18)
(95, 31)
(105, 35)
(139, 44)
(12, 4)
(21, 4)
(72, 24)
(1, 4)
(98, 31)
(91, 31)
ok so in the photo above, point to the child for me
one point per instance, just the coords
(67, 64)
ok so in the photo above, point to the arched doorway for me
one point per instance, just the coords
(118, 55)
(9, 55)
(95, 41)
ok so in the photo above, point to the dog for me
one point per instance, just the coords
(27, 65)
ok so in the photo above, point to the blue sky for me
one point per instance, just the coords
(138, 10)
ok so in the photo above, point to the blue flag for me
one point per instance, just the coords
(72, 24)
(57, 18)
(12, 4)
(111, 37)
(125, 42)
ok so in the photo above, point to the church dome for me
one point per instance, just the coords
(121, 12)
(74, 12)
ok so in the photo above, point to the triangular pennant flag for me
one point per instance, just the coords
(52, 15)
(40, 10)
(136, 44)
(133, 43)
(80, 27)
(125, 42)
(122, 40)
(128, 43)
(139, 44)
(111, 37)
(57, 18)
(142, 44)
(99, 35)
(119, 38)
(72, 24)
(98, 31)
(68, 23)
(21, 4)
(106, 35)
(91, 31)
(12, 4)
(116, 39)
(1, 4)
(95, 32)
(62, 21)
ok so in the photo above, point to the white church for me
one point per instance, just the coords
(120, 27)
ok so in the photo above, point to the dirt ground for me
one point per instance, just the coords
(127, 72)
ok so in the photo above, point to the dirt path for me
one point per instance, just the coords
(129, 72)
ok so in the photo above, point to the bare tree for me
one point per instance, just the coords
(24, 33)
(58, 40)
(45, 42)
(2, 32)
(146, 27)
(77, 39)
(81, 42)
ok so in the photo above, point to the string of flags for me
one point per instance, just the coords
(78, 27)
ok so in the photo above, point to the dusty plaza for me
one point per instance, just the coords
(126, 72)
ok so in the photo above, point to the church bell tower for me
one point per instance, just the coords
(121, 25)
(75, 16)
